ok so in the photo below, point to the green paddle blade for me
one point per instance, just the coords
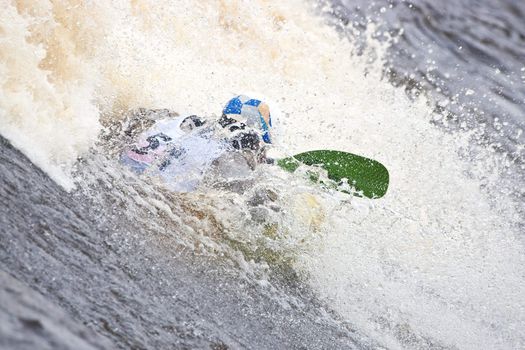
(365, 175)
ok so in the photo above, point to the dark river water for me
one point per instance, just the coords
(90, 268)
(468, 55)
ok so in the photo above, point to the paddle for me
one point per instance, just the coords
(368, 177)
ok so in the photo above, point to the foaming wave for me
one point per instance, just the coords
(70, 66)
(45, 95)
(434, 263)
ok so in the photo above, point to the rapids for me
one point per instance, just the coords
(437, 263)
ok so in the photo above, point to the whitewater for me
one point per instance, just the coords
(436, 263)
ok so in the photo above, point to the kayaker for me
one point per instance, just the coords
(183, 150)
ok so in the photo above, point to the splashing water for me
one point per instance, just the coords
(438, 262)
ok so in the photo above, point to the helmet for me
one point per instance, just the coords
(243, 112)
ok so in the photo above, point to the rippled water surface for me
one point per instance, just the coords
(469, 55)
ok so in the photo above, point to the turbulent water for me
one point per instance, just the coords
(93, 256)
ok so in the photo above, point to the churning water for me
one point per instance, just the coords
(435, 93)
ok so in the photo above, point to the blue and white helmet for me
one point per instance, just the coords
(243, 112)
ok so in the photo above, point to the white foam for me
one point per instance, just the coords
(436, 257)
